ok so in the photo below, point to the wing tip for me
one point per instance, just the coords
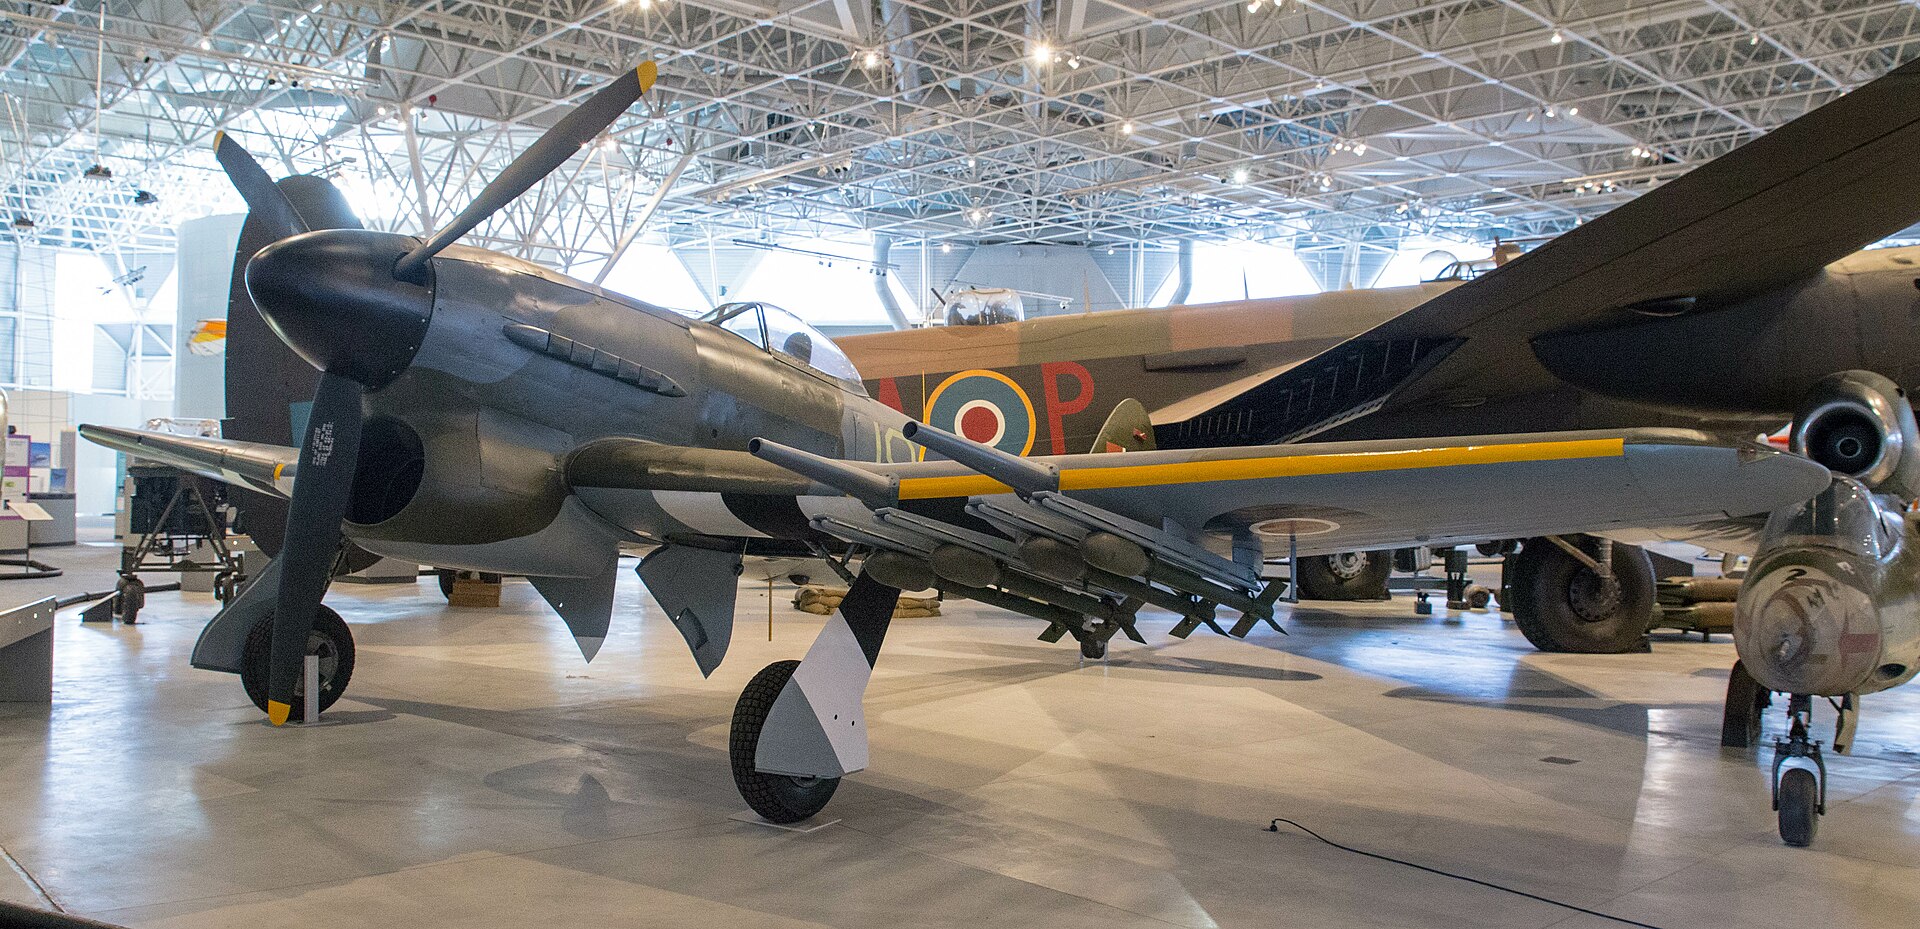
(647, 73)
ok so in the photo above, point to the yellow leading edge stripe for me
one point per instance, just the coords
(1253, 469)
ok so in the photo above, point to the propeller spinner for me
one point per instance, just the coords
(356, 304)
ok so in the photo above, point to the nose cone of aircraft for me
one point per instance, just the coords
(1807, 622)
(332, 297)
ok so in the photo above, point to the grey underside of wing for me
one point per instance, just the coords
(1645, 486)
(1773, 212)
(249, 464)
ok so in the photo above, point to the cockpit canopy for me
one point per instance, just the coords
(984, 307)
(1844, 516)
(782, 333)
(1463, 271)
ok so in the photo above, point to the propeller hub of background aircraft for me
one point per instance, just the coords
(477, 412)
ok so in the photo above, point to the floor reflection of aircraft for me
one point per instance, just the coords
(478, 412)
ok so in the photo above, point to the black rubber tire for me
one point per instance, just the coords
(1543, 593)
(446, 582)
(1740, 719)
(133, 597)
(327, 625)
(1093, 647)
(1799, 807)
(778, 798)
(1319, 580)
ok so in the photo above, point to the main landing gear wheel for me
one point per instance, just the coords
(1345, 576)
(1563, 605)
(130, 596)
(330, 640)
(778, 798)
(1740, 721)
(446, 577)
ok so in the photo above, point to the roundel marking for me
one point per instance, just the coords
(987, 407)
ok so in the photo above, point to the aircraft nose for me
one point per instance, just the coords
(332, 297)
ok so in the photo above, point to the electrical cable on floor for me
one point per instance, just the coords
(1275, 827)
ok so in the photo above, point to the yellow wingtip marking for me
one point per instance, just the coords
(278, 712)
(648, 73)
(219, 137)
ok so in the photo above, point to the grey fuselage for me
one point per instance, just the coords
(487, 423)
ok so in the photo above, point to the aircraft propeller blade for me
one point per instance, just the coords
(263, 196)
(551, 151)
(319, 502)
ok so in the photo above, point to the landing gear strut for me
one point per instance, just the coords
(1582, 594)
(1799, 777)
(799, 726)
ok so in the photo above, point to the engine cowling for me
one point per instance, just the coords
(1861, 425)
(1829, 605)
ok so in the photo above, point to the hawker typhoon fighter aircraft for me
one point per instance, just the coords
(1722, 301)
(474, 411)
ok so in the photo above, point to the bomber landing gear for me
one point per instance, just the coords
(1799, 777)
(330, 640)
(1345, 576)
(1582, 594)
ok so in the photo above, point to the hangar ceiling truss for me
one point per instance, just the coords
(1327, 123)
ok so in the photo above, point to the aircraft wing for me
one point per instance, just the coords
(256, 466)
(1350, 496)
(1771, 213)
(1098, 535)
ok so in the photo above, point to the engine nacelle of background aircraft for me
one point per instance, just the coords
(1829, 606)
(1861, 425)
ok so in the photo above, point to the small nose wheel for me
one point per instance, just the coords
(1799, 778)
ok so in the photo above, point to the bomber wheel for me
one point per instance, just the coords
(1345, 576)
(1561, 605)
(330, 639)
(1740, 721)
(1799, 807)
(445, 577)
(1093, 648)
(778, 798)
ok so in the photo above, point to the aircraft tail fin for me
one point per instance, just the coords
(1128, 429)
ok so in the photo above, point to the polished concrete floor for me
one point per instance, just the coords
(479, 774)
